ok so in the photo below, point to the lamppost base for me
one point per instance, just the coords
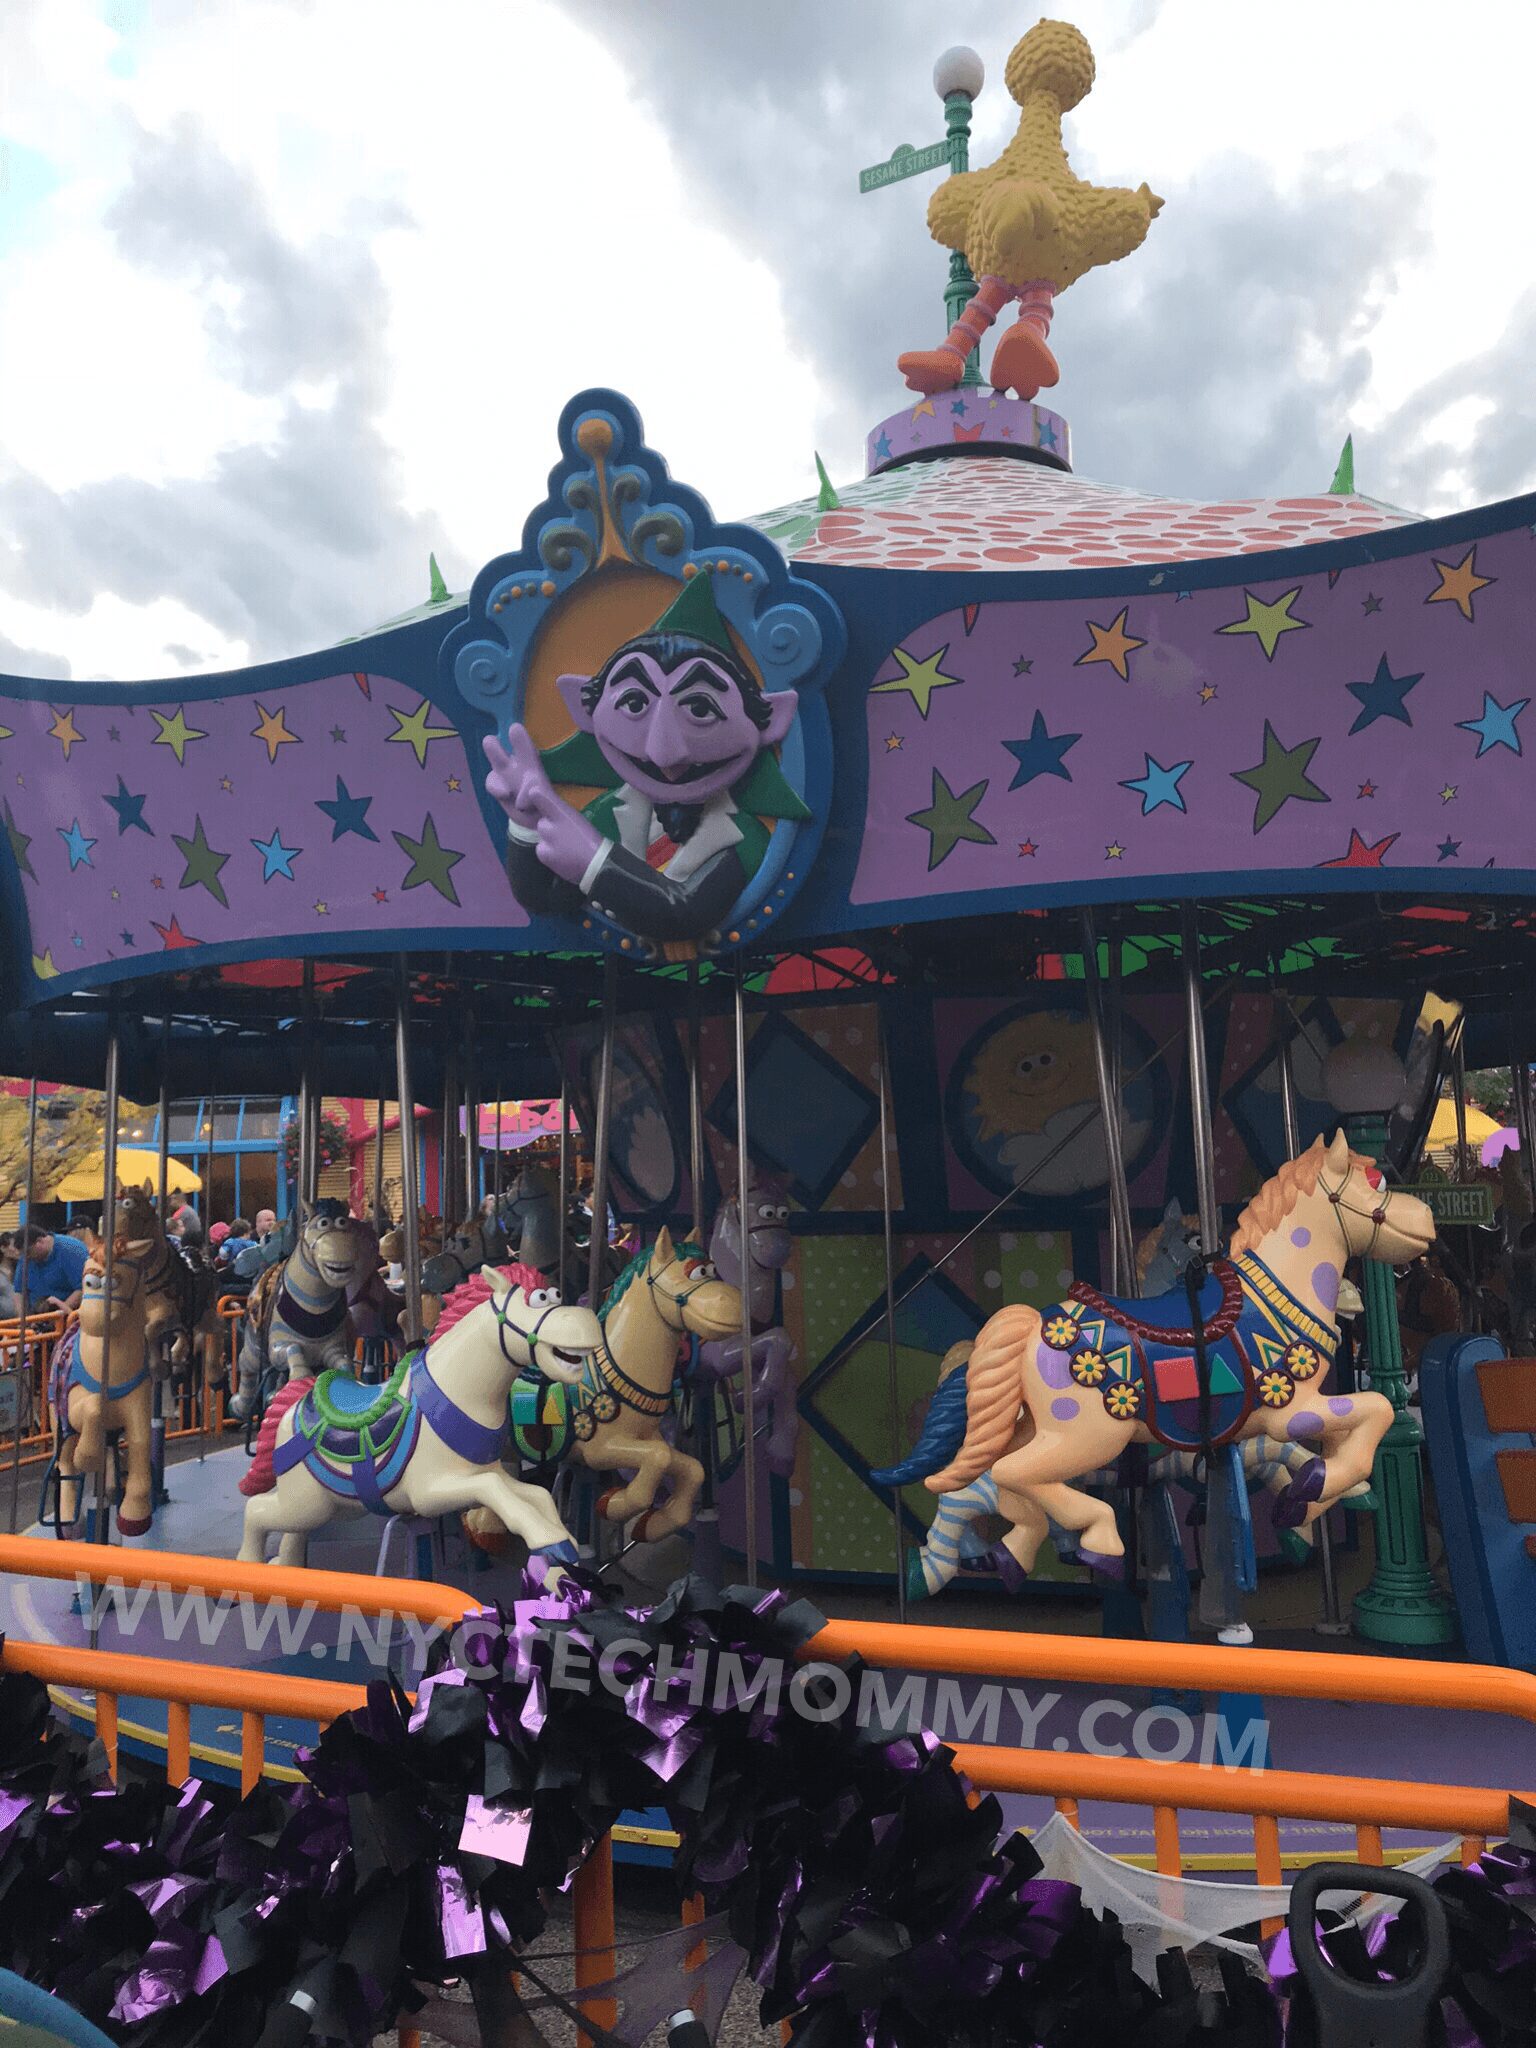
(1409, 1616)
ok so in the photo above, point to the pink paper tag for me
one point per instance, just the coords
(500, 1832)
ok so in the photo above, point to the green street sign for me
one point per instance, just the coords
(1449, 1202)
(905, 162)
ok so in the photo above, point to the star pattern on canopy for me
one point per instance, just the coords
(1268, 619)
(1113, 644)
(202, 863)
(271, 729)
(175, 733)
(949, 819)
(431, 862)
(918, 678)
(1459, 583)
(1280, 776)
(414, 732)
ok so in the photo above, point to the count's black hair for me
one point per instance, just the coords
(670, 651)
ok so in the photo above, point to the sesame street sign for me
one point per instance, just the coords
(1447, 1202)
(905, 162)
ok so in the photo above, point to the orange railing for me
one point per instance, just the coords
(1471, 1812)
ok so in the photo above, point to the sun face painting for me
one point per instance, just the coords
(1028, 1087)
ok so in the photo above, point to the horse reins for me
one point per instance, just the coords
(1375, 1217)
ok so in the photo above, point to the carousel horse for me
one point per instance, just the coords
(1050, 1398)
(181, 1293)
(529, 1212)
(296, 1319)
(769, 1245)
(84, 1408)
(428, 1442)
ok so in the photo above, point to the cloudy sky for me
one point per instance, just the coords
(292, 291)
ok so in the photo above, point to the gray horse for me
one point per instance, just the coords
(769, 1245)
(296, 1318)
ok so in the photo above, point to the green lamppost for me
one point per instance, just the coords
(957, 79)
(1403, 1604)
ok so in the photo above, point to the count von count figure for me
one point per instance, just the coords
(679, 736)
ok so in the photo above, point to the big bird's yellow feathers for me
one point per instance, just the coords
(1026, 225)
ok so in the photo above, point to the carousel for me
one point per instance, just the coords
(992, 944)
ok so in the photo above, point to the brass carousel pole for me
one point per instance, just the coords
(706, 1521)
(889, 1244)
(102, 1532)
(471, 1116)
(602, 1110)
(162, 1199)
(23, 1354)
(1333, 1622)
(1122, 1265)
(743, 1187)
(410, 1215)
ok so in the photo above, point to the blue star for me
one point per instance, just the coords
(129, 809)
(1496, 727)
(1449, 848)
(347, 813)
(882, 447)
(957, 406)
(1382, 697)
(1047, 434)
(1041, 753)
(79, 846)
(127, 938)
(1183, 596)
(1159, 785)
(277, 859)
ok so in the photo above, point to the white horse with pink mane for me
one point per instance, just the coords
(430, 1441)
(1051, 1398)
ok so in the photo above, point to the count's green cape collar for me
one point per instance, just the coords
(762, 791)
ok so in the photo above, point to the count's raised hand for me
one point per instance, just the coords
(517, 779)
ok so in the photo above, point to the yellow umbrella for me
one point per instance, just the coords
(83, 1183)
(1442, 1128)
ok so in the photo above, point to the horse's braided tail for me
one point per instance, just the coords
(994, 1390)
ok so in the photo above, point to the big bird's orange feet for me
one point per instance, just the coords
(1022, 361)
(931, 370)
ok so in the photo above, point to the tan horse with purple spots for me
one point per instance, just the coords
(1051, 1398)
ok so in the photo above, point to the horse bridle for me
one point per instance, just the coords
(1375, 1217)
(669, 1294)
(504, 1323)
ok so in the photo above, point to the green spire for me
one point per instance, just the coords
(1343, 485)
(827, 499)
(439, 592)
(694, 612)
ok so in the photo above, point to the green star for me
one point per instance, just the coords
(175, 733)
(203, 864)
(918, 678)
(1281, 775)
(1022, 666)
(948, 820)
(415, 731)
(20, 841)
(1266, 622)
(431, 861)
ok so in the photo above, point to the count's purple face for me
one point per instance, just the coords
(682, 735)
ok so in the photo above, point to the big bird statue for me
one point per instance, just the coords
(1027, 226)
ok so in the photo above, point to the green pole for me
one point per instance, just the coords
(1403, 1604)
(961, 288)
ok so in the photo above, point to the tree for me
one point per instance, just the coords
(69, 1130)
(1493, 1092)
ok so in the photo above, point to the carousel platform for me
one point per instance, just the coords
(203, 1517)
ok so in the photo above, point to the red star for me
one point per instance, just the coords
(362, 683)
(381, 895)
(1359, 855)
(155, 882)
(1367, 789)
(172, 935)
(1027, 847)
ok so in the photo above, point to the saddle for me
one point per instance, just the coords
(68, 1370)
(1140, 1356)
(356, 1440)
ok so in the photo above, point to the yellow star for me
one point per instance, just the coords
(1267, 622)
(42, 965)
(175, 733)
(893, 743)
(1112, 644)
(415, 731)
(454, 785)
(64, 730)
(924, 405)
(1207, 692)
(273, 731)
(322, 910)
(1447, 794)
(7, 732)
(1460, 584)
(919, 678)
(1114, 850)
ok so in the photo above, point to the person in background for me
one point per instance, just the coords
(10, 1300)
(266, 1220)
(53, 1268)
(231, 1239)
(83, 1231)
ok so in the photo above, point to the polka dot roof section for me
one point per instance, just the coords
(981, 513)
